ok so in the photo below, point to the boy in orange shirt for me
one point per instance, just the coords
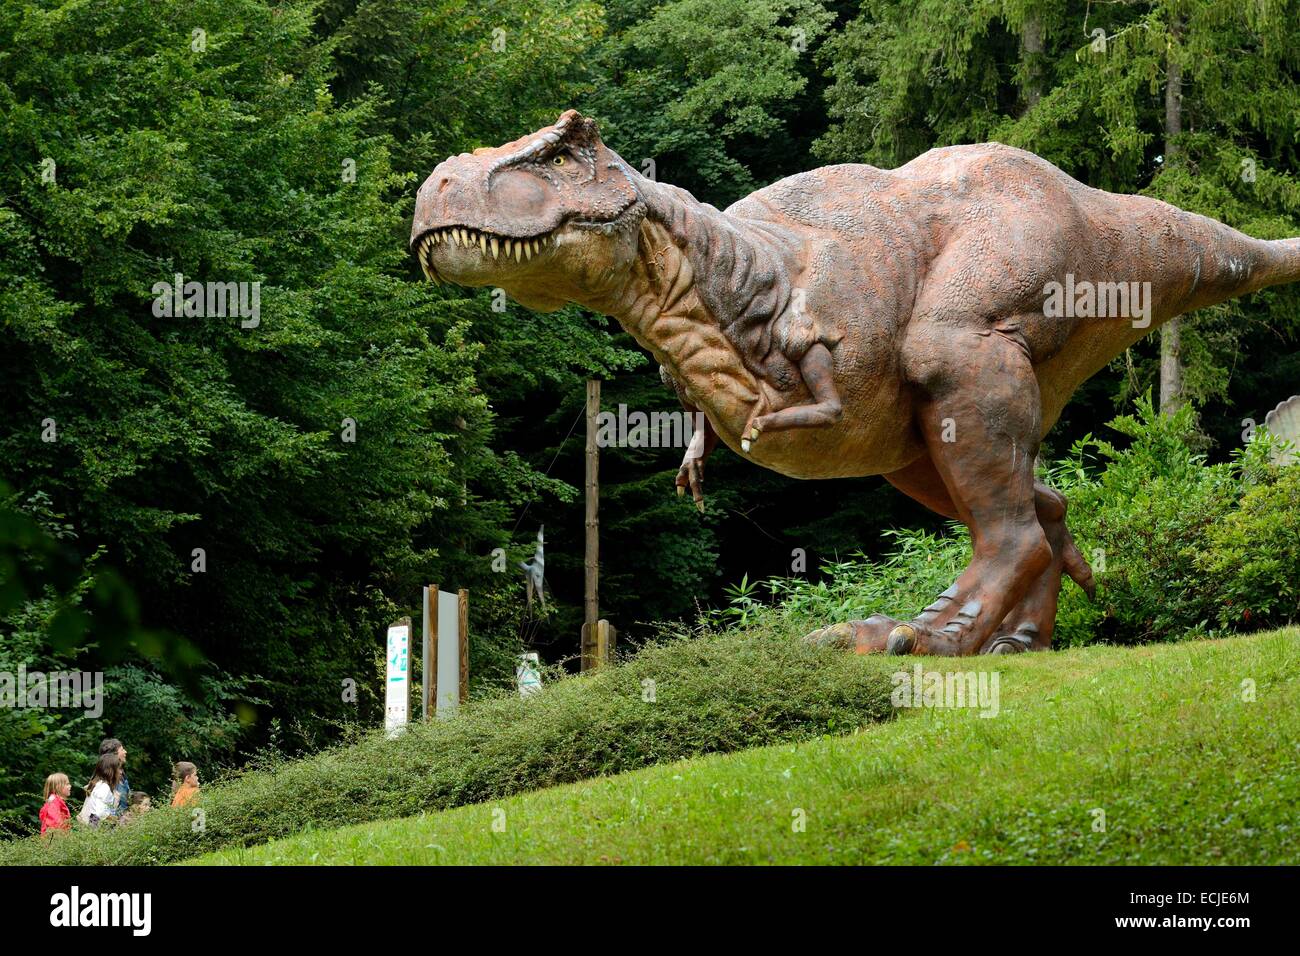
(186, 782)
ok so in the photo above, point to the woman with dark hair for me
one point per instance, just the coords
(114, 746)
(101, 791)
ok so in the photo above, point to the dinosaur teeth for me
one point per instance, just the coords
(499, 246)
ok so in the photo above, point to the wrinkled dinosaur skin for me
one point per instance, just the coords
(856, 321)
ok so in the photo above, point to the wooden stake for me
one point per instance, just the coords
(428, 687)
(462, 609)
(605, 637)
(431, 658)
(591, 601)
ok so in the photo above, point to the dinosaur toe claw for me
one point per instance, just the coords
(901, 640)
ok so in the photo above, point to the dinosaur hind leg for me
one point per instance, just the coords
(979, 414)
(1034, 616)
(1030, 623)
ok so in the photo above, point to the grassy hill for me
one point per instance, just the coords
(717, 693)
(1162, 739)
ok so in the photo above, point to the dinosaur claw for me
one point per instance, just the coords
(901, 640)
(744, 445)
(699, 505)
(680, 491)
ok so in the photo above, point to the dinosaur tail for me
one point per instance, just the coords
(1229, 263)
(1282, 262)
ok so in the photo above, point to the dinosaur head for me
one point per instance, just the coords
(551, 218)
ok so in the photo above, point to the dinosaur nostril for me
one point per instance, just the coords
(442, 186)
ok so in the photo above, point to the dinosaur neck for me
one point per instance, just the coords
(704, 284)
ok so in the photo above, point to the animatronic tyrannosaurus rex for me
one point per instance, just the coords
(926, 323)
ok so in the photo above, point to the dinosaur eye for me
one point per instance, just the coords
(558, 161)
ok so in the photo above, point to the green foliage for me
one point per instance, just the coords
(1254, 555)
(133, 150)
(454, 75)
(1142, 521)
(707, 89)
(714, 693)
(918, 565)
(1167, 527)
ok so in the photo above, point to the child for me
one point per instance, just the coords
(54, 813)
(101, 791)
(140, 805)
(185, 784)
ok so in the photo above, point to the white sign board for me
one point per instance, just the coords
(398, 695)
(528, 674)
(448, 651)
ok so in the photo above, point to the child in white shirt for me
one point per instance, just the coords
(101, 791)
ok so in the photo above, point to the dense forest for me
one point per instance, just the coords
(223, 515)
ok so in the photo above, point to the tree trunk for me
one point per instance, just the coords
(1171, 362)
(1031, 53)
(591, 596)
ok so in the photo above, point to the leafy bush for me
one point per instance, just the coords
(920, 565)
(1254, 555)
(1179, 546)
(1141, 520)
(672, 700)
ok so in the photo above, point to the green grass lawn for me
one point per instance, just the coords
(1159, 738)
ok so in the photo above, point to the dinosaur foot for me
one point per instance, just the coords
(881, 634)
(920, 637)
(862, 637)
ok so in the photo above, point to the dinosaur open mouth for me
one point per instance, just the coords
(489, 245)
(496, 247)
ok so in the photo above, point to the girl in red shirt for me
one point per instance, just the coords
(54, 813)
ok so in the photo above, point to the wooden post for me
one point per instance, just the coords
(462, 609)
(427, 686)
(430, 661)
(591, 600)
(605, 637)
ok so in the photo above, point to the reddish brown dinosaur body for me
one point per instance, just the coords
(927, 324)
